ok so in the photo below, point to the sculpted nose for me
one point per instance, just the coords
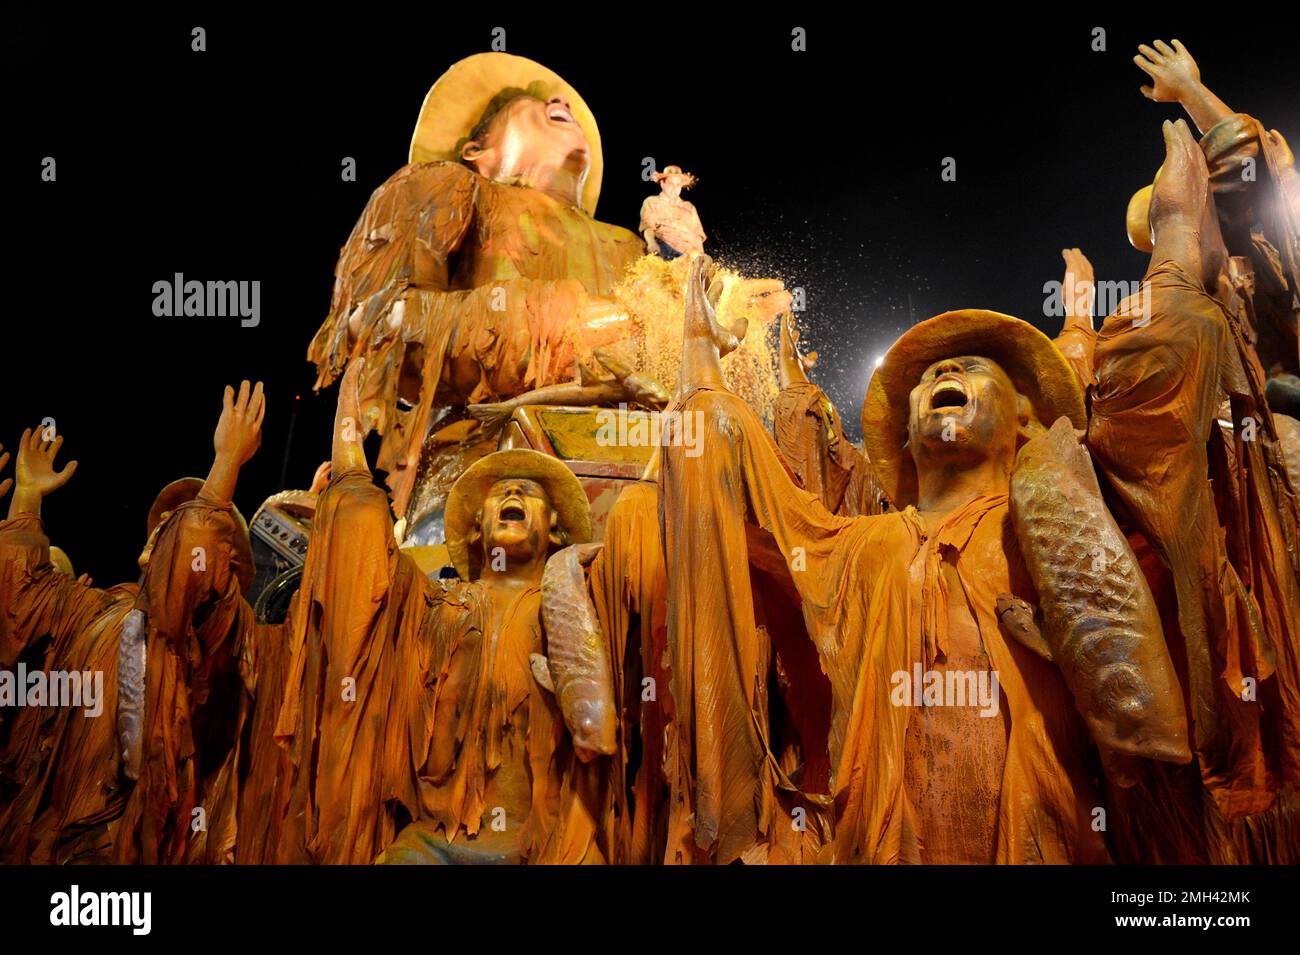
(947, 367)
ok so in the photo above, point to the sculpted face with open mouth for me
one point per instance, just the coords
(517, 518)
(964, 408)
(534, 141)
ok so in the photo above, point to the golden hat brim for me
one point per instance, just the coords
(1035, 366)
(568, 499)
(62, 562)
(171, 497)
(456, 102)
(1137, 219)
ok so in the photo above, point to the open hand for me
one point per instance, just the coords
(239, 430)
(1175, 73)
(1183, 187)
(35, 471)
(1079, 288)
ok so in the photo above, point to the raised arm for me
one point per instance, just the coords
(705, 341)
(199, 562)
(237, 438)
(793, 367)
(1177, 79)
(346, 452)
(1183, 221)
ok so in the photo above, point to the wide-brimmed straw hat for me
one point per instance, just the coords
(466, 498)
(675, 172)
(457, 101)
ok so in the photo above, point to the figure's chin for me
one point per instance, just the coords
(515, 541)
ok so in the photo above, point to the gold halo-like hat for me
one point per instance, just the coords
(62, 562)
(1034, 365)
(1137, 220)
(457, 101)
(466, 497)
(1137, 217)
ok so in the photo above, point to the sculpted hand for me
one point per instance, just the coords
(1079, 288)
(349, 427)
(239, 430)
(1183, 221)
(35, 473)
(35, 470)
(1183, 187)
(237, 438)
(321, 479)
(1175, 73)
(704, 341)
(794, 365)
(1178, 80)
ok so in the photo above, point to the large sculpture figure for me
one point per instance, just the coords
(1048, 612)
(477, 272)
(428, 711)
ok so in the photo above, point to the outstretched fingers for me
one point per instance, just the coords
(258, 406)
(62, 477)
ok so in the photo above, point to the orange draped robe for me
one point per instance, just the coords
(404, 697)
(73, 803)
(1220, 515)
(490, 276)
(874, 602)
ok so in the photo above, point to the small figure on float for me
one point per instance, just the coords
(669, 223)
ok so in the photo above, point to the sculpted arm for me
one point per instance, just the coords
(1183, 221)
(1177, 79)
(648, 227)
(35, 600)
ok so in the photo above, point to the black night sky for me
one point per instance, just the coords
(821, 167)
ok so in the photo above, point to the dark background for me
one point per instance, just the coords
(821, 167)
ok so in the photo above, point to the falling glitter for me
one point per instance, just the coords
(652, 291)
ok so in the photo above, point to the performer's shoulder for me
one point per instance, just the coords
(441, 178)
